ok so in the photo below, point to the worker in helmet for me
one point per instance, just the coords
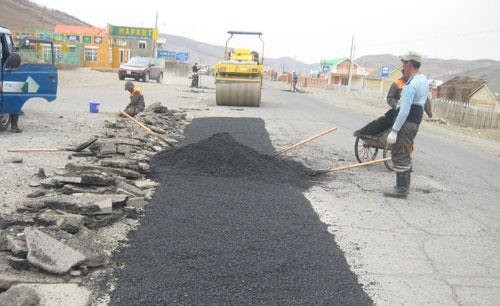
(295, 79)
(137, 103)
(195, 76)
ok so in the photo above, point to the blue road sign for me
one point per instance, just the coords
(326, 68)
(384, 72)
(181, 56)
(166, 53)
(178, 56)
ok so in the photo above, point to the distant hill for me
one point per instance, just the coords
(211, 54)
(24, 14)
(439, 69)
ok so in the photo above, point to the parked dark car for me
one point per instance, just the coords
(142, 68)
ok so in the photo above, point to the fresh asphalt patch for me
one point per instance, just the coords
(229, 225)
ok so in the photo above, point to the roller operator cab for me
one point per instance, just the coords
(26, 72)
(238, 77)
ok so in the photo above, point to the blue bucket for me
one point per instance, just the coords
(94, 106)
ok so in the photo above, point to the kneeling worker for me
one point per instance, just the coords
(136, 104)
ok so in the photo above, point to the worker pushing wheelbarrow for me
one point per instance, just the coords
(372, 137)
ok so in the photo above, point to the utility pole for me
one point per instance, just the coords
(153, 38)
(351, 55)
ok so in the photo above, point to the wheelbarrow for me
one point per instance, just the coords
(366, 148)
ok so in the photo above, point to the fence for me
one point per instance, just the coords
(312, 82)
(42, 53)
(458, 113)
(61, 58)
(466, 115)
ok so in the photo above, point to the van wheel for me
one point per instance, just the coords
(160, 78)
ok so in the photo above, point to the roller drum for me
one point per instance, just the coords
(234, 93)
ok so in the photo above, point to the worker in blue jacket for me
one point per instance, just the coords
(410, 111)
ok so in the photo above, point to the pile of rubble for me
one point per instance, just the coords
(52, 237)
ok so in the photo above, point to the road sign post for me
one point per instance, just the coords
(384, 73)
(326, 69)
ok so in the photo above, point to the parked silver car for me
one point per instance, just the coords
(142, 68)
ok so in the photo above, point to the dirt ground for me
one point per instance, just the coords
(440, 246)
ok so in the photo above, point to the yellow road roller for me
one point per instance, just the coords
(238, 77)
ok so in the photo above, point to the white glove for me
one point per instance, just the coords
(392, 137)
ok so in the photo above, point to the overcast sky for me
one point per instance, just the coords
(311, 30)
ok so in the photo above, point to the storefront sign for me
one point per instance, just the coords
(87, 39)
(73, 38)
(133, 32)
(58, 37)
(44, 36)
(97, 40)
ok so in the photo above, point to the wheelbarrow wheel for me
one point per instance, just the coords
(388, 164)
(363, 151)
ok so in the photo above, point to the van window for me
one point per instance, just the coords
(3, 51)
(10, 43)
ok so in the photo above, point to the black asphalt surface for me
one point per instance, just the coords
(230, 226)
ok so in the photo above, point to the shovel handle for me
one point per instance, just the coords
(36, 150)
(305, 140)
(353, 165)
(145, 127)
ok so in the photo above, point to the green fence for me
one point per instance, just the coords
(72, 58)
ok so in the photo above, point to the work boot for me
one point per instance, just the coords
(402, 187)
(14, 120)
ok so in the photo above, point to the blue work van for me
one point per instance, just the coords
(24, 77)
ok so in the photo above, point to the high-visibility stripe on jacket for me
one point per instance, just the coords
(400, 83)
(136, 89)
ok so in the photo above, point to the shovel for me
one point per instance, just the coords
(79, 148)
(335, 169)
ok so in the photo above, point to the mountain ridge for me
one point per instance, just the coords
(25, 14)
(28, 15)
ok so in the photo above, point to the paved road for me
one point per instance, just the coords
(229, 226)
(440, 246)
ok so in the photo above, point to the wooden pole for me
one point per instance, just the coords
(145, 127)
(353, 166)
(305, 140)
(36, 150)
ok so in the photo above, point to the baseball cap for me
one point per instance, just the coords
(410, 55)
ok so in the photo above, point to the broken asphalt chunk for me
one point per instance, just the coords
(49, 254)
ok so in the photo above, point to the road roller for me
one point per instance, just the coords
(238, 77)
